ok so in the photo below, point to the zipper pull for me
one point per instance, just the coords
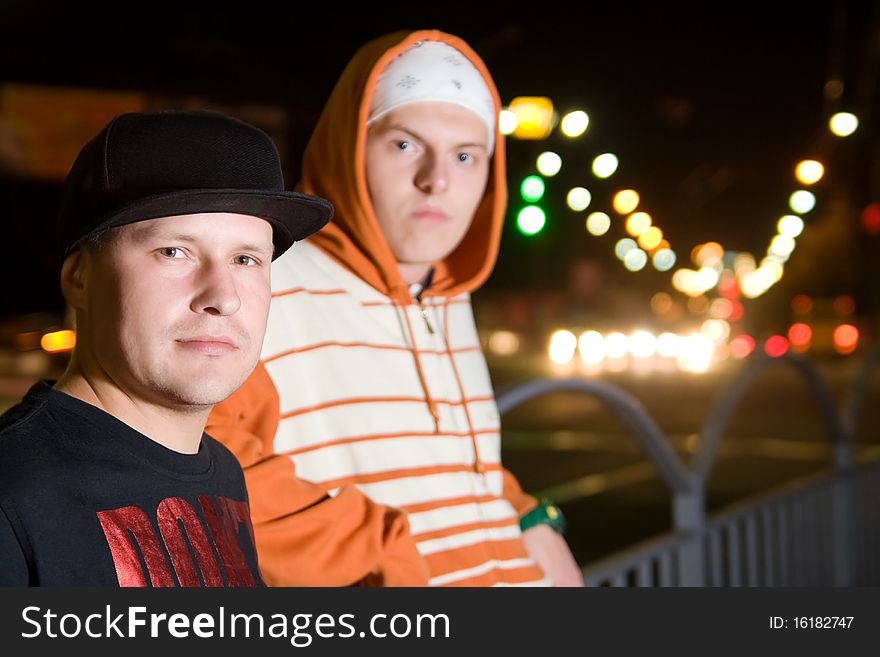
(425, 317)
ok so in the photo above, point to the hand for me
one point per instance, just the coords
(553, 555)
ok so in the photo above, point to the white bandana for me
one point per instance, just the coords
(434, 72)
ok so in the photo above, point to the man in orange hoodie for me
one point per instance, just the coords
(372, 380)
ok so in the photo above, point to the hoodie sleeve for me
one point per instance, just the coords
(513, 493)
(304, 536)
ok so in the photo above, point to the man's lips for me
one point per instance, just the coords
(430, 214)
(208, 344)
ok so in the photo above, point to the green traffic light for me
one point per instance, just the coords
(532, 188)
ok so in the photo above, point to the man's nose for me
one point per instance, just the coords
(217, 293)
(433, 175)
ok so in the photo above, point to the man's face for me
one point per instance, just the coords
(426, 165)
(176, 307)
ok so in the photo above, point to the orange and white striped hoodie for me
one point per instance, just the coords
(377, 389)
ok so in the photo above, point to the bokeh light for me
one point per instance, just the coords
(598, 223)
(776, 346)
(802, 201)
(605, 165)
(532, 188)
(549, 163)
(635, 259)
(507, 122)
(637, 223)
(531, 219)
(574, 124)
(578, 198)
(846, 339)
(809, 172)
(664, 259)
(625, 201)
(562, 346)
(843, 124)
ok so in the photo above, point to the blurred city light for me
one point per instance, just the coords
(625, 201)
(562, 346)
(742, 345)
(802, 201)
(532, 188)
(698, 304)
(809, 172)
(728, 287)
(591, 346)
(503, 343)
(801, 304)
(708, 254)
(651, 238)
(664, 259)
(720, 308)
(624, 246)
(642, 344)
(800, 336)
(737, 310)
(715, 329)
(790, 225)
(661, 303)
(776, 346)
(781, 245)
(506, 122)
(574, 124)
(578, 198)
(635, 259)
(846, 339)
(696, 353)
(844, 305)
(871, 218)
(549, 163)
(605, 165)
(637, 223)
(534, 117)
(58, 341)
(843, 124)
(669, 345)
(531, 220)
(616, 345)
(598, 223)
(706, 279)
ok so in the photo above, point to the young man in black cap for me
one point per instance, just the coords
(169, 225)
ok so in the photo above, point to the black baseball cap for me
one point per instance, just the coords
(147, 165)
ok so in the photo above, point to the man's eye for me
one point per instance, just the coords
(245, 260)
(171, 252)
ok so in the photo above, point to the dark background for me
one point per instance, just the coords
(707, 105)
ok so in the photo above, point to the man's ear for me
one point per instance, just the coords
(74, 279)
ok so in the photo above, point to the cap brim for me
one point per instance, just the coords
(294, 216)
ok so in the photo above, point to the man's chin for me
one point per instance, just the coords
(201, 392)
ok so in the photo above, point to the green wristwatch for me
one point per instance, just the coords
(546, 513)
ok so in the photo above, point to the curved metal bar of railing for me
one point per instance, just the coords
(855, 396)
(630, 411)
(716, 423)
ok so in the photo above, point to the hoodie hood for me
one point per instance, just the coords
(333, 167)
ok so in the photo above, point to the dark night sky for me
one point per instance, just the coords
(708, 105)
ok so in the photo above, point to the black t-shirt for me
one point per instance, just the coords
(85, 500)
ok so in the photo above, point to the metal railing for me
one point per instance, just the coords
(820, 531)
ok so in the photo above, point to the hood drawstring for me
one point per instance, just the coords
(432, 407)
(402, 296)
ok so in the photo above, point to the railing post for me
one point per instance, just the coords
(689, 518)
